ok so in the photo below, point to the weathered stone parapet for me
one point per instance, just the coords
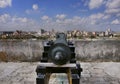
(85, 50)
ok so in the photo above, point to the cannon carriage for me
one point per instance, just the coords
(58, 57)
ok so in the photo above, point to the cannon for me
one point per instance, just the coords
(58, 57)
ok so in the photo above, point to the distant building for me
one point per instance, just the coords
(85, 33)
(78, 33)
(8, 33)
(94, 33)
(39, 33)
(1, 32)
(116, 34)
(69, 34)
(101, 34)
(108, 32)
(42, 31)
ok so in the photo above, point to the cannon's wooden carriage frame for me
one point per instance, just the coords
(46, 68)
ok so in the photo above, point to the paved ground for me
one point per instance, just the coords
(101, 73)
(93, 73)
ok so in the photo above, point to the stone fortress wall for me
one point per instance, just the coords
(85, 50)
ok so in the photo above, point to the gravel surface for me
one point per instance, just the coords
(93, 73)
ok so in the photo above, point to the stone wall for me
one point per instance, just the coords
(98, 50)
(21, 50)
(85, 50)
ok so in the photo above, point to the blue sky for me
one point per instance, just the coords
(89, 15)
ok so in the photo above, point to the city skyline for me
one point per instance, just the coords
(61, 15)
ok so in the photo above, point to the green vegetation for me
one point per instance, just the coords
(24, 37)
(42, 37)
(92, 36)
(80, 37)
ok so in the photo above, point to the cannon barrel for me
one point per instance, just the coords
(59, 52)
(58, 57)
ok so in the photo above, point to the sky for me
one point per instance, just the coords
(60, 15)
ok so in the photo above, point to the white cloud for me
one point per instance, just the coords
(60, 16)
(106, 16)
(34, 10)
(99, 19)
(4, 18)
(19, 19)
(113, 4)
(68, 23)
(112, 11)
(28, 11)
(113, 7)
(116, 21)
(97, 16)
(95, 4)
(93, 23)
(45, 17)
(118, 14)
(5, 3)
(8, 22)
(35, 7)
